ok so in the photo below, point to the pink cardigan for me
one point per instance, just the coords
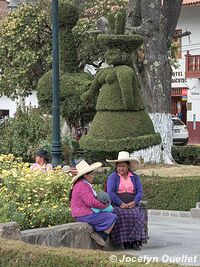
(83, 199)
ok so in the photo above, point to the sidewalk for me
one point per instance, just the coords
(172, 240)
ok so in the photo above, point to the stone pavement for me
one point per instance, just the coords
(172, 240)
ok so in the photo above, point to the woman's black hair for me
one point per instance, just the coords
(44, 154)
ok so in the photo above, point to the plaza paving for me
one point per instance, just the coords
(172, 240)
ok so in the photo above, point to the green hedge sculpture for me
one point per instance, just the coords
(72, 82)
(120, 122)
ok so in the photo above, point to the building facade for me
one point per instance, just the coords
(186, 78)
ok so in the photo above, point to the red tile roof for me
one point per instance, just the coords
(190, 2)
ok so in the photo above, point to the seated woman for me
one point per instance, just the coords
(41, 161)
(125, 191)
(83, 199)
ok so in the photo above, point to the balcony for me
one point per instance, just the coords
(192, 66)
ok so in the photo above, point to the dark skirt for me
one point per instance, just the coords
(100, 221)
(129, 224)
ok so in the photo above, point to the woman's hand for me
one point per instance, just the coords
(131, 204)
(124, 206)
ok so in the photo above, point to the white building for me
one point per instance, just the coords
(8, 107)
(186, 79)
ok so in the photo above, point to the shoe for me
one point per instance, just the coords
(135, 246)
(127, 245)
(98, 239)
(97, 245)
(140, 243)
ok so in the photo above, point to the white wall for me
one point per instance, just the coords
(6, 103)
(194, 98)
(190, 20)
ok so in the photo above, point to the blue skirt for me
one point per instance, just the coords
(100, 221)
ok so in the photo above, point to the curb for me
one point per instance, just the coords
(170, 213)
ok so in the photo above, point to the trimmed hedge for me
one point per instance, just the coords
(119, 87)
(18, 254)
(120, 122)
(189, 155)
(168, 193)
(130, 144)
(68, 17)
(118, 125)
(115, 131)
(180, 193)
(124, 42)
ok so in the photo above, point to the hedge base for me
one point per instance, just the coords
(120, 130)
(130, 144)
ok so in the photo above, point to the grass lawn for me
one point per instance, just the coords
(174, 170)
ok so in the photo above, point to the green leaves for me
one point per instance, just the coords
(25, 49)
(38, 199)
(25, 133)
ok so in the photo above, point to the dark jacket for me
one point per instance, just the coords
(113, 185)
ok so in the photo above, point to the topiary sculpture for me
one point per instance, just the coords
(72, 82)
(120, 122)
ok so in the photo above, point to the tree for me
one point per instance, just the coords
(156, 21)
(25, 50)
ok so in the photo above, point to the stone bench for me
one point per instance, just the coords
(10, 230)
(73, 235)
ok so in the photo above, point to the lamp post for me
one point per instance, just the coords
(56, 145)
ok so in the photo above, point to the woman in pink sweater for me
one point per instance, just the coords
(82, 200)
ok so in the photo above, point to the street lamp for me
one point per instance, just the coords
(56, 145)
(12, 5)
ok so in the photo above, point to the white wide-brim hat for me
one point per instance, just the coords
(83, 167)
(124, 156)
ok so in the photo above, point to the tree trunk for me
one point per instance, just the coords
(156, 22)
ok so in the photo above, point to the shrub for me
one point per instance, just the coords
(186, 155)
(180, 193)
(72, 107)
(34, 199)
(25, 133)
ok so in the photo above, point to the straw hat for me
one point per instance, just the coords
(124, 156)
(83, 167)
